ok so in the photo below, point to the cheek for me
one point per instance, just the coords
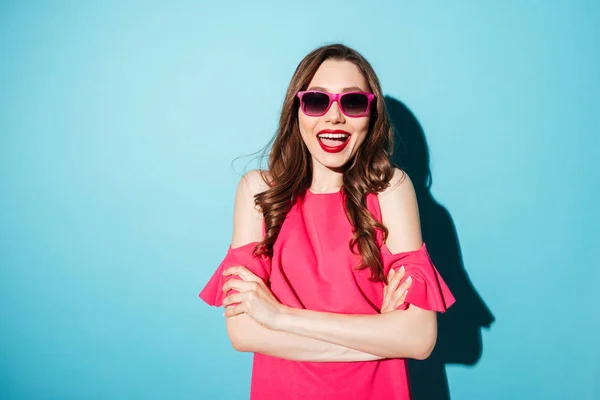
(306, 125)
(361, 129)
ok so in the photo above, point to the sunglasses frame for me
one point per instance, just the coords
(336, 97)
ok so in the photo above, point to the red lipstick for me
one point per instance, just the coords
(332, 136)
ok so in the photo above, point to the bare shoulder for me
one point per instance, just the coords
(247, 218)
(400, 213)
(247, 224)
(400, 183)
(255, 182)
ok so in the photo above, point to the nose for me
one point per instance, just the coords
(334, 114)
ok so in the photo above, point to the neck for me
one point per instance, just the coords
(324, 179)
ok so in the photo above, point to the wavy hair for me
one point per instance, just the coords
(289, 173)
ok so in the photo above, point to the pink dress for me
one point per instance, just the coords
(312, 268)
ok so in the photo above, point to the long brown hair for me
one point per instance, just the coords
(290, 164)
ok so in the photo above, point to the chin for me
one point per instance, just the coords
(334, 161)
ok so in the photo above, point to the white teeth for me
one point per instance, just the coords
(333, 135)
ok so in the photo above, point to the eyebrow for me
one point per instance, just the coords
(347, 89)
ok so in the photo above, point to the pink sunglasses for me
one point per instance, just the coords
(352, 104)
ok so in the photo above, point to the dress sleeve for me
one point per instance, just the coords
(428, 289)
(213, 294)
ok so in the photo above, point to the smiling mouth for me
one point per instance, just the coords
(333, 142)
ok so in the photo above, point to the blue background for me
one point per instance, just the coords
(118, 126)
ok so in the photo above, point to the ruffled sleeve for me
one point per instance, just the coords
(428, 289)
(213, 294)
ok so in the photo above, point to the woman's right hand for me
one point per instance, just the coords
(394, 294)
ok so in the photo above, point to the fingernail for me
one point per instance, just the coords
(409, 279)
(402, 268)
(391, 271)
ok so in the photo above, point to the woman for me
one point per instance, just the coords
(333, 288)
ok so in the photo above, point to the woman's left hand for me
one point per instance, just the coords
(254, 298)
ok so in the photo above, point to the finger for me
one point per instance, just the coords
(235, 298)
(397, 298)
(385, 297)
(405, 285)
(403, 289)
(232, 311)
(243, 273)
(400, 293)
(240, 285)
(400, 301)
(385, 289)
(395, 282)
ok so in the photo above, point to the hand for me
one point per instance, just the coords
(254, 298)
(394, 294)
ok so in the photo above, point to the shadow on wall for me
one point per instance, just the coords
(459, 329)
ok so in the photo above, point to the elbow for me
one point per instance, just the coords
(239, 345)
(237, 341)
(419, 348)
(237, 330)
(420, 342)
(423, 351)
(426, 343)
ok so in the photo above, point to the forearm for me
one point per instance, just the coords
(249, 336)
(398, 334)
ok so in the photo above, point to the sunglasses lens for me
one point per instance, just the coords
(354, 104)
(314, 103)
